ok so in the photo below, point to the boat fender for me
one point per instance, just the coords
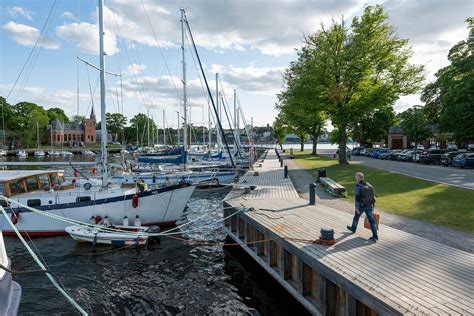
(135, 200)
(137, 221)
(15, 216)
(92, 220)
(98, 219)
(94, 170)
(125, 220)
(76, 173)
(106, 220)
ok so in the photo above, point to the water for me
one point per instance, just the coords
(169, 277)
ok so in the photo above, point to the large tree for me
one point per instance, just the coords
(373, 127)
(298, 103)
(25, 119)
(137, 131)
(115, 124)
(360, 69)
(450, 98)
(415, 125)
(57, 114)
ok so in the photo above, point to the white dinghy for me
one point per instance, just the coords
(121, 236)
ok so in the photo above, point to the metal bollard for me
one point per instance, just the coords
(285, 172)
(312, 193)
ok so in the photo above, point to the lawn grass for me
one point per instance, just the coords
(403, 195)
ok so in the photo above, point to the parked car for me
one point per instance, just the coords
(385, 155)
(406, 156)
(447, 158)
(368, 152)
(397, 154)
(452, 147)
(420, 147)
(432, 156)
(464, 160)
(357, 151)
(378, 152)
(470, 147)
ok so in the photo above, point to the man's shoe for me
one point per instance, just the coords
(350, 228)
(373, 239)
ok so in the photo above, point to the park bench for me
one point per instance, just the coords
(332, 186)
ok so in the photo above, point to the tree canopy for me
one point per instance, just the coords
(349, 74)
(450, 98)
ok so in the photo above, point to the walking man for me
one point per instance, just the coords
(364, 203)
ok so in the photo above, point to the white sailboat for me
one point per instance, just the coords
(35, 193)
(10, 291)
(38, 152)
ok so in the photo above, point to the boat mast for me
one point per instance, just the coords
(103, 127)
(177, 142)
(209, 143)
(37, 135)
(164, 128)
(236, 134)
(148, 126)
(219, 139)
(185, 121)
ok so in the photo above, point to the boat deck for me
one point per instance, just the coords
(401, 274)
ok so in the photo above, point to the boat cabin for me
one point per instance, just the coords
(14, 182)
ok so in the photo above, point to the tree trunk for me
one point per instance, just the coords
(315, 134)
(342, 146)
(301, 144)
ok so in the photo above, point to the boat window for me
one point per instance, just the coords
(33, 202)
(43, 180)
(54, 178)
(83, 199)
(31, 184)
(17, 187)
(2, 188)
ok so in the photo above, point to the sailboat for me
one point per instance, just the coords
(10, 291)
(33, 194)
(39, 152)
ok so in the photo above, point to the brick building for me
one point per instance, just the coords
(73, 134)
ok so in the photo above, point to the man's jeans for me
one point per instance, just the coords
(368, 210)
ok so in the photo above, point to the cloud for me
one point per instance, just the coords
(19, 12)
(262, 25)
(259, 80)
(69, 15)
(86, 35)
(432, 27)
(27, 35)
(134, 69)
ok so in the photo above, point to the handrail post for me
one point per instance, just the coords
(312, 193)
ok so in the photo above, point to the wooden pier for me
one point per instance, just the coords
(401, 274)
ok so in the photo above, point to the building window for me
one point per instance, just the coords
(92, 138)
(82, 138)
(58, 138)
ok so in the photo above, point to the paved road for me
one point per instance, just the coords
(463, 178)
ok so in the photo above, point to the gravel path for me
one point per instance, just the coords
(447, 236)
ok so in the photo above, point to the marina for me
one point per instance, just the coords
(402, 274)
(146, 149)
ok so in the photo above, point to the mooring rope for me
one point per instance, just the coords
(41, 265)
(115, 230)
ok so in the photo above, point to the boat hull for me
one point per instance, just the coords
(95, 237)
(154, 207)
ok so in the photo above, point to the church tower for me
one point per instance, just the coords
(89, 128)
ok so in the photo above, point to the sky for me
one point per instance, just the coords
(249, 43)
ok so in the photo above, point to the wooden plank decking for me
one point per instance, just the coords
(401, 274)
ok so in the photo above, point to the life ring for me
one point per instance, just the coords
(135, 201)
(15, 216)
